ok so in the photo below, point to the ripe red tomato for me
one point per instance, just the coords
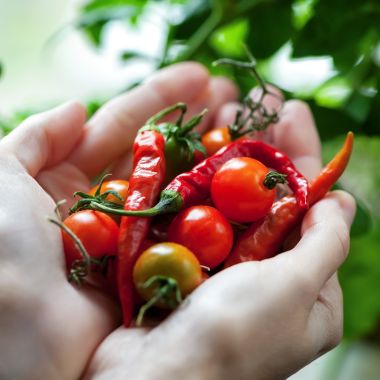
(215, 139)
(169, 260)
(97, 231)
(118, 185)
(238, 190)
(205, 231)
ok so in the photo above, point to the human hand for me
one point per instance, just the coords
(261, 320)
(49, 328)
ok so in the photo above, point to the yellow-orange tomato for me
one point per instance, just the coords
(215, 139)
(167, 260)
(119, 185)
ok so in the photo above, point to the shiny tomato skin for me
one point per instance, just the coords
(215, 139)
(97, 231)
(205, 231)
(170, 260)
(238, 191)
(119, 185)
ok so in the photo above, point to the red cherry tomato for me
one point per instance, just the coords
(215, 139)
(167, 260)
(238, 190)
(97, 231)
(205, 231)
(118, 185)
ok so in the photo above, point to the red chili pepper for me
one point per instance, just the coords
(193, 186)
(263, 239)
(144, 187)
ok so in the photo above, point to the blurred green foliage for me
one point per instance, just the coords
(346, 30)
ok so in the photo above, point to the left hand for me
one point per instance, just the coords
(49, 328)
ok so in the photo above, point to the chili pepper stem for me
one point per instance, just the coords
(168, 287)
(170, 201)
(178, 106)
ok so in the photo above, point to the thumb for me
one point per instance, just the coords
(45, 139)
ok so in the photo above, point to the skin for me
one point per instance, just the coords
(255, 320)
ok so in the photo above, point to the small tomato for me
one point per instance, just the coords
(205, 231)
(238, 190)
(215, 139)
(97, 231)
(118, 185)
(169, 261)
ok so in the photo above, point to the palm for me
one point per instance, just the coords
(55, 182)
(63, 155)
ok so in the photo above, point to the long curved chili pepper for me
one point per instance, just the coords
(144, 187)
(263, 239)
(194, 186)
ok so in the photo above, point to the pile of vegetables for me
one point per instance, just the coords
(193, 205)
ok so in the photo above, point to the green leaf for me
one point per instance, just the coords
(338, 30)
(333, 93)
(107, 4)
(128, 54)
(94, 32)
(1, 69)
(360, 279)
(228, 40)
(333, 122)
(195, 13)
(303, 10)
(270, 27)
(96, 14)
(363, 222)
(358, 106)
(372, 124)
(92, 107)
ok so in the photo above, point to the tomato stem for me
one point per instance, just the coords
(79, 268)
(98, 197)
(257, 114)
(167, 288)
(273, 178)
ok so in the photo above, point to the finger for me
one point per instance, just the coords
(218, 92)
(324, 243)
(226, 114)
(325, 324)
(272, 102)
(44, 140)
(297, 136)
(110, 133)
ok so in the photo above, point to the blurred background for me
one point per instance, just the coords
(324, 52)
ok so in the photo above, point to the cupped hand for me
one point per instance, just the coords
(257, 320)
(49, 328)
